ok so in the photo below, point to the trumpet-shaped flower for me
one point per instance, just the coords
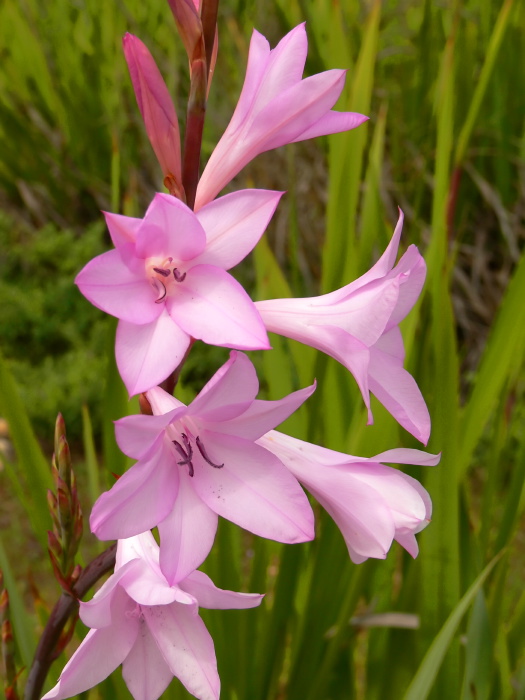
(200, 461)
(166, 281)
(151, 627)
(372, 504)
(276, 107)
(358, 326)
(156, 107)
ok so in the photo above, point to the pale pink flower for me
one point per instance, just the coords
(200, 461)
(166, 281)
(151, 627)
(155, 105)
(372, 504)
(358, 326)
(276, 107)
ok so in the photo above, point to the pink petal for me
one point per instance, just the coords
(234, 224)
(137, 434)
(112, 286)
(98, 612)
(404, 455)
(122, 229)
(363, 314)
(209, 596)
(229, 393)
(161, 402)
(147, 354)
(212, 306)
(262, 416)
(170, 228)
(252, 489)
(258, 57)
(187, 648)
(397, 390)
(100, 653)
(332, 123)
(283, 69)
(155, 105)
(296, 110)
(144, 670)
(363, 518)
(187, 532)
(413, 270)
(141, 546)
(141, 498)
(387, 261)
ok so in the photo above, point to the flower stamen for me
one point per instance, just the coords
(185, 452)
(205, 456)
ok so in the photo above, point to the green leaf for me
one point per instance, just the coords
(422, 682)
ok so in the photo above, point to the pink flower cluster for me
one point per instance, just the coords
(167, 282)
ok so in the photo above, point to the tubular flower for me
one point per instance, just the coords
(200, 461)
(358, 326)
(276, 107)
(149, 626)
(372, 504)
(166, 281)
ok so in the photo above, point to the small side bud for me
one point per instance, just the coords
(158, 112)
(64, 506)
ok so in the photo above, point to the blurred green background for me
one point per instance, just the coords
(443, 85)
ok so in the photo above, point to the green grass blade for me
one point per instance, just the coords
(483, 80)
(422, 682)
(504, 353)
(22, 624)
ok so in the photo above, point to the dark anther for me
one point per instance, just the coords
(205, 456)
(185, 452)
(161, 298)
(178, 276)
(164, 273)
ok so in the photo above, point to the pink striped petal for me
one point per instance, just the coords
(230, 391)
(234, 224)
(170, 229)
(187, 532)
(332, 123)
(141, 498)
(262, 416)
(187, 648)
(137, 434)
(147, 354)
(100, 653)
(117, 289)
(213, 307)
(252, 489)
(209, 596)
(144, 671)
(398, 392)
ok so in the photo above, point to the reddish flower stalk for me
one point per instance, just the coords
(194, 127)
(50, 644)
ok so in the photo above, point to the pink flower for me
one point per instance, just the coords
(149, 626)
(166, 281)
(276, 107)
(155, 105)
(371, 504)
(200, 461)
(358, 326)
